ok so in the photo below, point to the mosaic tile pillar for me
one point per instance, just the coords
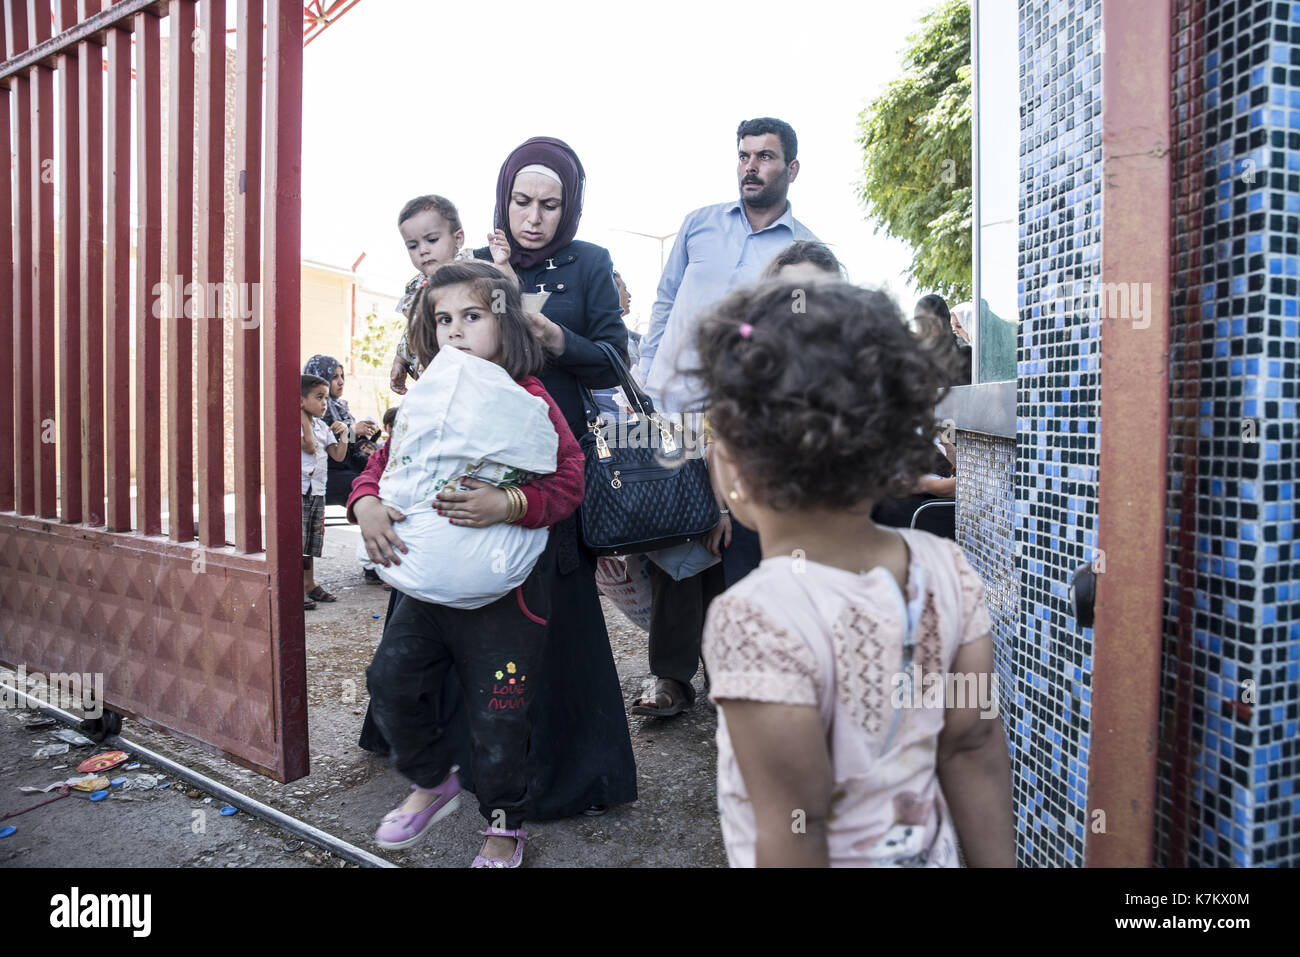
(1229, 789)
(1057, 419)
(1226, 777)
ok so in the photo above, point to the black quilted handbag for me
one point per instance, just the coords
(644, 489)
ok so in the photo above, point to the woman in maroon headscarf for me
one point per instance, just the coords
(580, 753)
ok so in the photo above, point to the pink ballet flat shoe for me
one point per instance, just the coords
(401, 829)
(520, 835)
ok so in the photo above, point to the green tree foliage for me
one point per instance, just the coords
(916, 143)
(373, 347)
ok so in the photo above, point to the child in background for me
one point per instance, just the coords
(609, 402)
(430, 228)
(804, 259)
(833, 747)
(495, 649)
(384, 435)
(317, 442)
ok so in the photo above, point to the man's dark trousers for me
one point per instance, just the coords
(677, 622)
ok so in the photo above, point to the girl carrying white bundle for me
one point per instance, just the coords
(479, 410)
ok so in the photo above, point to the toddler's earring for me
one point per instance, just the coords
(734, 495)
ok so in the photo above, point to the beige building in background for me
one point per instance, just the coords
(335, 303)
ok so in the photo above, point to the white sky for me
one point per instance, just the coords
(404, 97)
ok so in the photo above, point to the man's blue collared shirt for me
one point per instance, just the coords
(715, 251)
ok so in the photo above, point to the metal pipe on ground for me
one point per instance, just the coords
(265, 812)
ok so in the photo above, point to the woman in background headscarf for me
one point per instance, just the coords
(934, 332)
(581, 757)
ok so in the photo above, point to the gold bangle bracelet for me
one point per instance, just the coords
(512, 503)
(518, 504)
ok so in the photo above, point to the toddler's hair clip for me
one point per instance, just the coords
(745, 330)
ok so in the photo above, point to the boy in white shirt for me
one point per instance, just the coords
(318, 440)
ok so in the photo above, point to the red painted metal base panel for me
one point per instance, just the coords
(182, 635)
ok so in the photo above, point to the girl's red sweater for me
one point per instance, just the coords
(551, 498)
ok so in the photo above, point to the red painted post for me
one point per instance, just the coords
(69, 277)
(91, 280)
(209, 271)
(41, 355)
(283, 304)
(7, 295)
(117, 277)
(148, 272)
(1132, 465)
(248, 269)
(180, 257)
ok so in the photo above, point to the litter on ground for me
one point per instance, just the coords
(72, 737)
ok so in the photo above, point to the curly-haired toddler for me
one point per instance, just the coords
(854, 668)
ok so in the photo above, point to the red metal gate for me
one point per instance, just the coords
(190, 632)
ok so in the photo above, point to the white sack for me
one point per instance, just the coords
(463, 416)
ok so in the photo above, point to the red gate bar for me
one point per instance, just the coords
(283, 241)
(117, 276)
(91, 278)
(42, 316)
(148, 273)
(7, 293)
(180, 259)
(69, 276)
(209, 269)
(248, 268)
(1134, 406)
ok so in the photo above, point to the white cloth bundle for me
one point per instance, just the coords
(464, 416)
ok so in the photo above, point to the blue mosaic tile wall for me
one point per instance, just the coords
(986, 467)
(1229, 778)
(1057, 406)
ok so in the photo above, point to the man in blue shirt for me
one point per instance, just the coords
(717, 248)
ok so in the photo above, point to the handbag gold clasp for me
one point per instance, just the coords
(602, 447)
(666, 442)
